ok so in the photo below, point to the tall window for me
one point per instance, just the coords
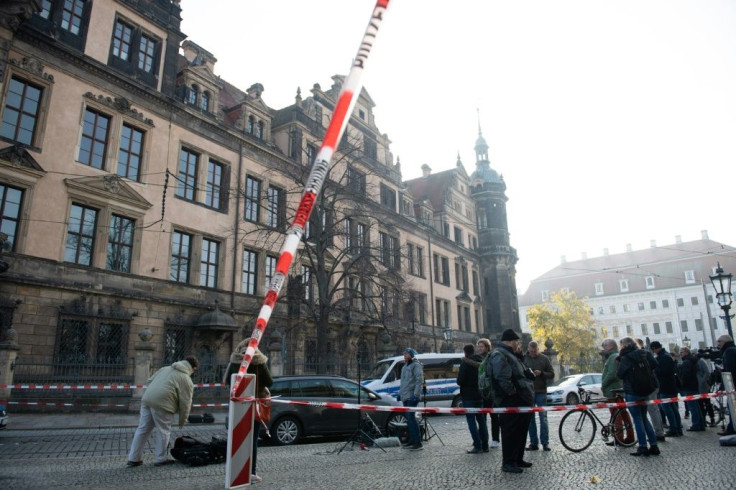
(10, 206)
(389, 250)
(121, 39)
(259, 130)
(206, 101)
(250, 125)
(84, 340)
(356, 181)
(311, 154)
(67, 19)
(683, 325)
(120, 243)
(252, 198)
(363, 238)
(307, 282)
(210, 263)
(130, 153)
(21, 111)
(270, 270)
(146, 53)
(193, 94)
(94, 139)
(388, 197)
(175, 344)
(80, 236)
(213, 191)
(187, 185)
(275, 213)
(250, 271)
(443, 312)
(180, 257)
(71, 17)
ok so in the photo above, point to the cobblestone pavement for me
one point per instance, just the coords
(95, 458)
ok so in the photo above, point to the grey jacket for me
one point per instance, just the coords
(412, 375)
(510, 385)
(170, 390)
(540, 363)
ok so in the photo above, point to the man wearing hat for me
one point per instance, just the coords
(665, 372)
(512, 386)
(412, 375)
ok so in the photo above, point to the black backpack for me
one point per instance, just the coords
(194, 452)
(641, 376)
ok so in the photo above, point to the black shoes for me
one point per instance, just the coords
(726, 432)
(532, 447)
(546, 448)
(134, 463)
(653, 450)
(416, 447)
(509, 468)
(673, 433)
(475, 450)
(164, 463)
(696, 429)
(523, 464)
(642, 451)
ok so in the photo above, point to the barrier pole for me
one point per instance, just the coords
(240, 433)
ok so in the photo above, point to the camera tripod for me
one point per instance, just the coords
(426, 430)
(366, 426)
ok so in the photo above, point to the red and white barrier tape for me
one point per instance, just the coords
(463, 411)
(339, 121)
(100, 405)
(32, 386)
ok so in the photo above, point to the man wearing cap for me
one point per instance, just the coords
(412, 375)
(665, 372)
(512, 386)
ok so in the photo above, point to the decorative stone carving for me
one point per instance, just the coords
(111, 183)
(33, 66)
(15, 12)
(145, 335)
(121, 105)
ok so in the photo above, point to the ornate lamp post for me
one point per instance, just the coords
(447, 333)
(722, 285)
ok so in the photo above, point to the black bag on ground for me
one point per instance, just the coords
(194, 452)
(205, 418)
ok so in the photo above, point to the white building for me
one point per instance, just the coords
(663, 293)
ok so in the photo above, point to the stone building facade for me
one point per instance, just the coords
(145, 199)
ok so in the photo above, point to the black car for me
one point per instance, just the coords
(289, 423)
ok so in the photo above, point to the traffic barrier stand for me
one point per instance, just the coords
(240, 432)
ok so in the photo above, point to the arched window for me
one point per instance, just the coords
(206, 101)
(259, 130)
(193, 93)
(250, 126)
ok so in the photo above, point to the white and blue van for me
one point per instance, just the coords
(440, 375)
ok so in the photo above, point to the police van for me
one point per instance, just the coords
(440, 376)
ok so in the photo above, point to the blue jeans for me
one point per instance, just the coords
(642, 426)
(671, 412)
(540, 400)
(477, 424)
(698, 422)
(411, 423)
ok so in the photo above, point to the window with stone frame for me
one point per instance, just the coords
(250, 271)
(11, 202)
(181, 256)
(215, 188)
(135, 51)
(387, 196)
(187, 176)
(130, 153)
(80, 236)
(310, 356)
(252, 199)
(176, 345)
(93, 145)
(21, 112)
(356, 181)
(210, 263)
(276, 207)
(120, 243)
(270, 270)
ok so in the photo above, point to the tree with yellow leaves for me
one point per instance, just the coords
(566, 320)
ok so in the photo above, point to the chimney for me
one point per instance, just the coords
(704, 235)
(583, 255)
(563, 259)
(426, 170)
(653, 243)
(678, 239)
(628, 247)
(605, 252)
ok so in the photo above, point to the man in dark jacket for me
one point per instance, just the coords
(467, 380)
(630, 356)
(727, 346)
(687, 374)
(511, 387)
(543, 372)
(665, 372)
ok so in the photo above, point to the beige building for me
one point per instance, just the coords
(145, 200)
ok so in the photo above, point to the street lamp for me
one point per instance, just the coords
(447, 333)
(722, 285)
(686, 342)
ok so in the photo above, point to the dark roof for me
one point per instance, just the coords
(432, 187)
(666, 264)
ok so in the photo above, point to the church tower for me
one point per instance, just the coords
(498, 258)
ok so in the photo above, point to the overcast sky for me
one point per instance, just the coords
(612, 122)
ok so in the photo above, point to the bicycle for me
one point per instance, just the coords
(578, 427)
(720, 407)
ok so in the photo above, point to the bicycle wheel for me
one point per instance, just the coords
(577, 430)
(719, 409)
(622, 428)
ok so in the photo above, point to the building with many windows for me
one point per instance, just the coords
(661, 293)
(145, 199)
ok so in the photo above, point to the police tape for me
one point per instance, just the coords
(498, 410)
(34, 386)
(99, 405)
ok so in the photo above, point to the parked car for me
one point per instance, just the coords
(290, 423)
(3, 417)
(565, 390)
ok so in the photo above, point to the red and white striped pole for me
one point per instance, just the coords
(340, 117)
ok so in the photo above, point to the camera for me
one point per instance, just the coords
(712, 353)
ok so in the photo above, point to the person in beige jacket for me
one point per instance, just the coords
(168, 391)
